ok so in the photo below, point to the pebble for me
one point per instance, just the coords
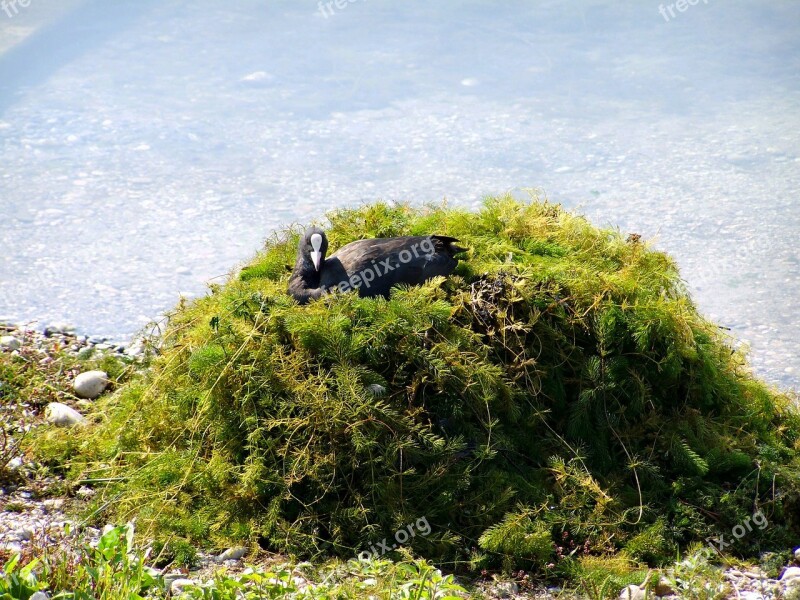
(632, 592)
(797, 555)
(59, 328)
(791, 574)
(62, 415)
(85, 492)
(178, 585)
(506, 589)
(90, 384)
(53, 504)
(235, 553)
(10, 343)
(39, 596)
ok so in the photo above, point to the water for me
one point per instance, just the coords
(148, 146)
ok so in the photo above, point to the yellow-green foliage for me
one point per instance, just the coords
(560, 385)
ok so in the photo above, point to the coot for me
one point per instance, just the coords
(370, 266)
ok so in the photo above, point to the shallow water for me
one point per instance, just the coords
(149, 146)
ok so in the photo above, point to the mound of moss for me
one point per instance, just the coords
(559, 396)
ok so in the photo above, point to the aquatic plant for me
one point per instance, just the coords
(559, 396)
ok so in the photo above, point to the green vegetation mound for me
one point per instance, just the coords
(558, 396)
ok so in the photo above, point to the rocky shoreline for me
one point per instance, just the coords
(37, 510)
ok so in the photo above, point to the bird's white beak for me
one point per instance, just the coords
(316, 244)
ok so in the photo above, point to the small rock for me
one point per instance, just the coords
(90, 384)
(86, 492)
(24, 534)
(135, 349)
(15, 463)
(663, 589)
(178, 585)
(58, 329)
(632, 592)
(53, 503)
(790, 574)
(11, 547)
(754, 575)
(751, 596)
(40, 596)
(10, 343)
(797, 555)
(62, 415)
(506, 589)
(232, 554)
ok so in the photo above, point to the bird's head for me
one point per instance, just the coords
(314, 244)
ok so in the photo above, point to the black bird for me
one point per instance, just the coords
(370, 266)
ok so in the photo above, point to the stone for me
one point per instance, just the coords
(632, 592)
(662, 588)
(15, 463)
(797, 555)
(86, 492)
(791, 574)
(506, 589)
(62, 415)
(135, 349)
(178, 584)
(10, 343)
(59, 328)
(40, 596)
(90, 384)
(235, 553)
(53, 503)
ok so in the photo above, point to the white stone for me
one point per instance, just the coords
(632, 592)
(790, 574)
(40, 596)
(53, 503)
(135, 349)
(90, 384)
(232, 554)
(10, 343)
(506, 589)
(797, 555)
(15, 463)
(62, 415)
(178, 585)
(87, 492)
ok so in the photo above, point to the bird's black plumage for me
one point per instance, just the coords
(371, 266)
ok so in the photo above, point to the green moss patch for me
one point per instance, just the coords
(559, 396)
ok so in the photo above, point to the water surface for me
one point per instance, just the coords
(148, 146)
